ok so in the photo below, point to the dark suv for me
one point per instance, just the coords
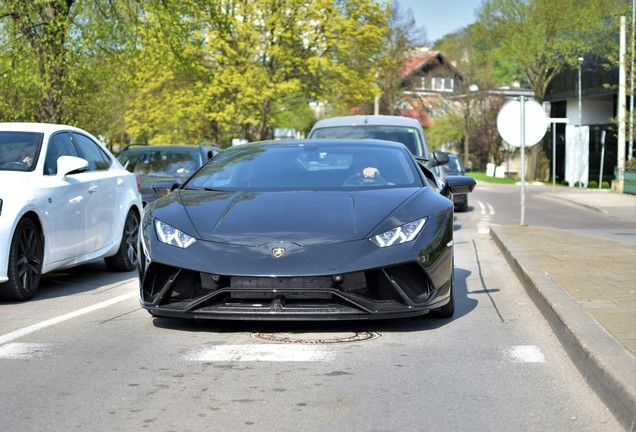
(159, 167)
(454, 167)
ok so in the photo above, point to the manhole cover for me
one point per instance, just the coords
(316, 338)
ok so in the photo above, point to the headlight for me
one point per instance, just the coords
(399, 235)
(170, 235)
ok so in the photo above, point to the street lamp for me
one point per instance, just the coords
(580, 139)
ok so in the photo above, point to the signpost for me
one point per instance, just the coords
(522, 122)
(554, 121)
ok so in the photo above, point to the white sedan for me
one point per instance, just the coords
(64, 200)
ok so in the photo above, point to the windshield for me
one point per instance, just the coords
(307, 167)
(19, 150)
(402, 134)
(453, 166)
(161, 163)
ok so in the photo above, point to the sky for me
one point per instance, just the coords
(440, 17)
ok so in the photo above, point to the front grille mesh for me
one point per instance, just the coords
(282, 282)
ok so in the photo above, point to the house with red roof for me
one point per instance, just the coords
(428, 85)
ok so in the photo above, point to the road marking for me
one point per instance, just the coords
(482, 207)
(24, 351)
(486, 210)
(491, 209)
(8, 337)
(525, 354)
(263, 353)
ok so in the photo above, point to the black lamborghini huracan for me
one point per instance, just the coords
(303, 230)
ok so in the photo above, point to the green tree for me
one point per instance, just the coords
(64, 61)
(542, 41)
(235, 69)
(43, 27)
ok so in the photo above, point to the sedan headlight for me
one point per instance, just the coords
(399, 235)
(170, 235)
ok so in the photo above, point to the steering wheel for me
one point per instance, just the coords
(358, 180)
(17, 164)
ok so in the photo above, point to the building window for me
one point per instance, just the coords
(442, 84)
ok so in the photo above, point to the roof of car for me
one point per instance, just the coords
(367, 119)
(368, 142)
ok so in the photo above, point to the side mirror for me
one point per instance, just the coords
(164, 188)
(69, 165)
(460, 184)
(439, 158)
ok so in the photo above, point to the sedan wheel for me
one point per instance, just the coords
(25, 262)
(126, 258)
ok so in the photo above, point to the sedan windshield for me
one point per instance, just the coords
(19, 150)
(161, 163)
(307, 167)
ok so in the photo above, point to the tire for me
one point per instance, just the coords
(25, 262)
(448, 309)
(464, 206)
(127, 256)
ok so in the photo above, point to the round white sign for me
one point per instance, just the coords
(509, 122)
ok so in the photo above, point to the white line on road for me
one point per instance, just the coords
(491, 209)
(482, 207)
(8, 337)
(24, 351)
(525, 354)
(483, 226)
(263, 352)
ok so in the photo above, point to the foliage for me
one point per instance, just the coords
(72, 70)
(542, 42)
(185, 70)
(530, 35)
(239, 67)
(447, 133)
(482, 177)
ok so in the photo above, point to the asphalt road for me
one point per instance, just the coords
(82, 355)
(548, 206)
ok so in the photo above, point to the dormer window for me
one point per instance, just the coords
(442, 84)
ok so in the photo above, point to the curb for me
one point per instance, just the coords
(604, 363)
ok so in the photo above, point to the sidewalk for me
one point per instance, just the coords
(586, 289)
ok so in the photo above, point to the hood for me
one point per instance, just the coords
(16, 179)
(303, 217)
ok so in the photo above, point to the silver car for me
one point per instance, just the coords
(405, 130)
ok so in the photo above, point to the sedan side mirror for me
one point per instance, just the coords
(164, 188)
(69, 165)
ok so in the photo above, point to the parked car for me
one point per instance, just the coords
(160, 167)
(452, 168)
(65, 200)
(406, 130)
(302, 230)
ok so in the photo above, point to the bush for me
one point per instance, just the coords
(564, 183)
(593, 184)
(605, 185)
